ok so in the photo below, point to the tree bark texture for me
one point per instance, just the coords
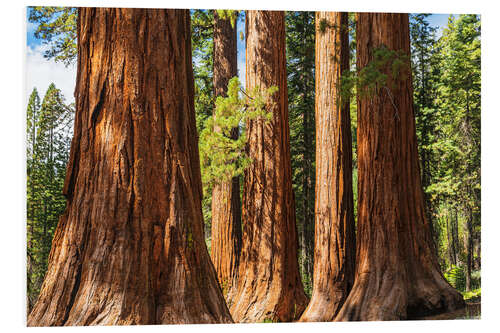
(334, 253)
(397, 272)
(269, 284)
(129, 248)
(226, 204)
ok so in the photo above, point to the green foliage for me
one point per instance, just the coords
(228, 14)
(456, 277)
(204, 101)
(300, 53)
(323, 24)
(48, 140)
(370, 79)
(222, 156)
(202, 46)
(447, 98)
(57, 28)
(469, 295)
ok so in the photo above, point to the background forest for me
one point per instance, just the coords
(446, 67)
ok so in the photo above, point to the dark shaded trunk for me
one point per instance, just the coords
(129, 248)
(334, 253)
(469, 245)
(397, 271)
(477, 251)
(269, 285)
(451, 244)
(226, 205)
(454, 234)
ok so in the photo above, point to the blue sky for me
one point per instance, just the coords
(40, 72)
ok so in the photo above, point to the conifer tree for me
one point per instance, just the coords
(48, 136)
(300, 36)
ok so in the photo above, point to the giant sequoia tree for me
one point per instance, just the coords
(269, 285)
(226, 211)
(334, 252)
(397, 273)
(129, 248)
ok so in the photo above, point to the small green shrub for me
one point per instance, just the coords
(456, 277)
(472, 294)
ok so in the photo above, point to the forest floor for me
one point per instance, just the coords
(472, 310)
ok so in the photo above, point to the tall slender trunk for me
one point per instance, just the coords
(226, 205)
(397, 271)
(469, 244)
(269, 285)
(456, 243)
(129, 248)
(334, 253)
(451, 244)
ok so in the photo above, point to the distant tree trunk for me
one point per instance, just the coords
(477, 250)
(334, 253)
(397, 272)
(469, 244)
(129, 248)
(451, 244)
(226, 205)
(269, 285)
(454, 234)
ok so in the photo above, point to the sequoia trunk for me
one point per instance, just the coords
(269, 285)
(129, 248)
(226, 205)
(397, 272)
(334, 253)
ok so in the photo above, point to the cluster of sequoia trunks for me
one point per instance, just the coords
(130, 248)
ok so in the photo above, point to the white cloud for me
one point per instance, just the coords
(41, 72)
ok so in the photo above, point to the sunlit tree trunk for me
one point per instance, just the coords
(334, 252)
(397, 272)
(269, 285)
(226, 204)
(129, 248)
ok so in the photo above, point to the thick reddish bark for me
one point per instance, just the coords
(397, 272)
(129, 248)
(226, 205)
(269, 285)
(334, 252)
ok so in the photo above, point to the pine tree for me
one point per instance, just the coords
(425, 78)
(48, 135)
(459, 101)
(300, 38)
(57, 29)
